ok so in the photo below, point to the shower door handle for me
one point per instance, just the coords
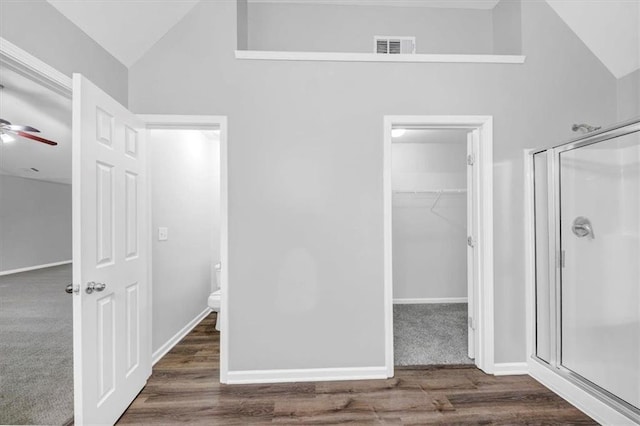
(582, 227)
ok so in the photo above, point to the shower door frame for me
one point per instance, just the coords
(598, 403)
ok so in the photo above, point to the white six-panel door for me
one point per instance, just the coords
(112, 353)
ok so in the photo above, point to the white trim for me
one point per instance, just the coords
(429, 300)
(165, 121)
(581, 399)
(169, 344)
(510, 369)
(30, 66)
(267, 55)
(448, 4)
(387, 198)
(154, 121)
(306, 375)
(484, 304)
(33, 268)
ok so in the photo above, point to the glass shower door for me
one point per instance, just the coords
(600, 264)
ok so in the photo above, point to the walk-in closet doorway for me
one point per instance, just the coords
(438, 241)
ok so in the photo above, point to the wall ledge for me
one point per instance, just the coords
(265, 55)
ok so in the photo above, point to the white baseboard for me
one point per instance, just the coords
(33, 268)
(578, 397)
(162, 351)
(510, 369)
(306, 375)
(430, 300)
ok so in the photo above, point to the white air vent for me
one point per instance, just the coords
(388, 45)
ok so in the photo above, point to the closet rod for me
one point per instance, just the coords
(434, 191)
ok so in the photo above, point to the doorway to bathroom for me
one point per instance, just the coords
(187, 174)
(438, 241)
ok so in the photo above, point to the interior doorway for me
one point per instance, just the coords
(187, 166)
(36, 324)
(431, 222)
(185, 241)
(438, 241)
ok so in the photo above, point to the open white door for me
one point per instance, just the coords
(473, 140)
(111, 327)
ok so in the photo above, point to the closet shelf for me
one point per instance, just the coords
(439, 192)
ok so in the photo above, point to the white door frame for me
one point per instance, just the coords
(201, 122)
(484, 304)
(28, 65)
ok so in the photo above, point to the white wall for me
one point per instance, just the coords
(35, 223)
(507, 27)
(305, 173)
(429, 247)
(41, 30)
(185, 182)
(342, 28)
(629, 96)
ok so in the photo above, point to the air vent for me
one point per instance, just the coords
(387, 45)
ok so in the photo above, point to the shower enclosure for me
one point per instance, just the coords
(585, 238)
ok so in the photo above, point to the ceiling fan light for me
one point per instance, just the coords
(7, 138)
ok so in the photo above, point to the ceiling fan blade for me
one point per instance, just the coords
(4, 122)
(35, 138)
(17, 128)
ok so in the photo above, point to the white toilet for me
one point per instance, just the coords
(214, 298)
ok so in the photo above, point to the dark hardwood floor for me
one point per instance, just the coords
(184, 388)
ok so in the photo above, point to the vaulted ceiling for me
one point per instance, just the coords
(609, 28)
(125, 28)
(129, 28)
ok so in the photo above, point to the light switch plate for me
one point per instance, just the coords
(163, 233)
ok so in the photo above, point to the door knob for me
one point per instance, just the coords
(93, 286)
(69, 288)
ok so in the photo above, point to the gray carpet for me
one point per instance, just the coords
(36, 347)
(430, 334)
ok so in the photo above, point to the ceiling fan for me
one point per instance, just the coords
(8, 130)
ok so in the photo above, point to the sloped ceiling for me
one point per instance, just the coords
(125, 28)
(610, 28)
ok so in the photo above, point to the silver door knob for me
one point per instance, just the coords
(69, 288)
(581, 227)
(93, 286)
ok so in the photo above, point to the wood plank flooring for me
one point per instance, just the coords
(185, 388)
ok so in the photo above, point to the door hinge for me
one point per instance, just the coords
(470, 322)
(470, 160)
(470, 241)
(561, 258)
